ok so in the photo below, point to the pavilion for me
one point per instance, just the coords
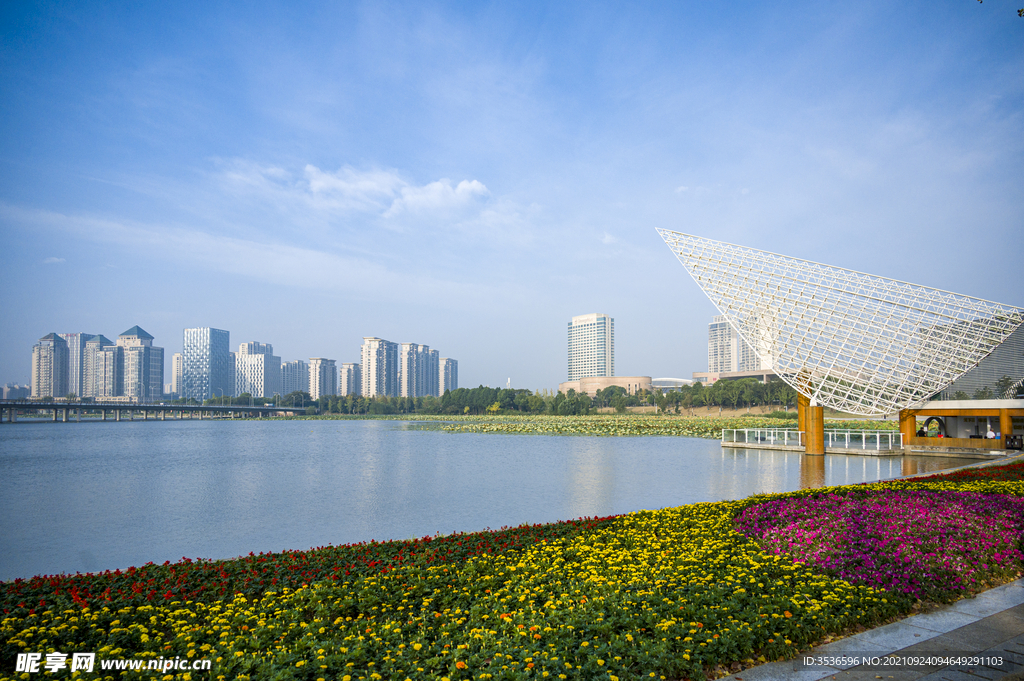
(855, 342)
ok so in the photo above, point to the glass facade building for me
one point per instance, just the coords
(206, 364)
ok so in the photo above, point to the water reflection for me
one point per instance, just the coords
(591, 480)
(812, 471)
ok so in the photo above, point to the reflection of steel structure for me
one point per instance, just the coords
(851, 341)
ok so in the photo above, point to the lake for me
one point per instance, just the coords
(92, 496)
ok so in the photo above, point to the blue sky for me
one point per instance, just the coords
(470, 176)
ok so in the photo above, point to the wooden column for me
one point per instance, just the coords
(908, 426)
(815, 431)
(1005, 426)
(811, 420)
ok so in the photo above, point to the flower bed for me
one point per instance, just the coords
(209, 581)
(676, 593)
(926, 544)
(659, 592)
(1011, 471)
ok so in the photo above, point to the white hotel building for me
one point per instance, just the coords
(591, 346)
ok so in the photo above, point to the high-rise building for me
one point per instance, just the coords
(350, 381)
(294, 377)
(448, 374)
(323, 377)
(143, 365)
(50, 366)
(94, 367)
(591, 346)
(427, 381)
(108, 371)
(379, 367)
(92, 345)
(417, 370)
(207, 369)
(408, 369)
(727, 351)
(76, 365)
(257, 370)
(177, 367)
(13, 391)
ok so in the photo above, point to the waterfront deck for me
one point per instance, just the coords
(856, 442)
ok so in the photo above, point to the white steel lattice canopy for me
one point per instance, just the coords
(851, 341)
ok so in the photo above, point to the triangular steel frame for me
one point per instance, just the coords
(855, 342)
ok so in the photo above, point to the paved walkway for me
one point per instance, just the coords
(989, 626)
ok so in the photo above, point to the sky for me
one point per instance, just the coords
(472, 175)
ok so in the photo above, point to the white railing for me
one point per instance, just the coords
(764, 436)
(864, 439)
(834, 439)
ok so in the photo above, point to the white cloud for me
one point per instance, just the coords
(383, 193)
(437, 197)
(351, 189)
(608, 239)
(54, 261)
(680, 190)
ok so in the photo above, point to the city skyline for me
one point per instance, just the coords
(309, 174)
(90, 365)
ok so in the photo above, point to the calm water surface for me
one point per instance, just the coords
(95, 496)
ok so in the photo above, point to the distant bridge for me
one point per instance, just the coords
(65, 411)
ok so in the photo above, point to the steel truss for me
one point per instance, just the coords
(855, 342)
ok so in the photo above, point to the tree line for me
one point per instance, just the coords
(485, 400)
